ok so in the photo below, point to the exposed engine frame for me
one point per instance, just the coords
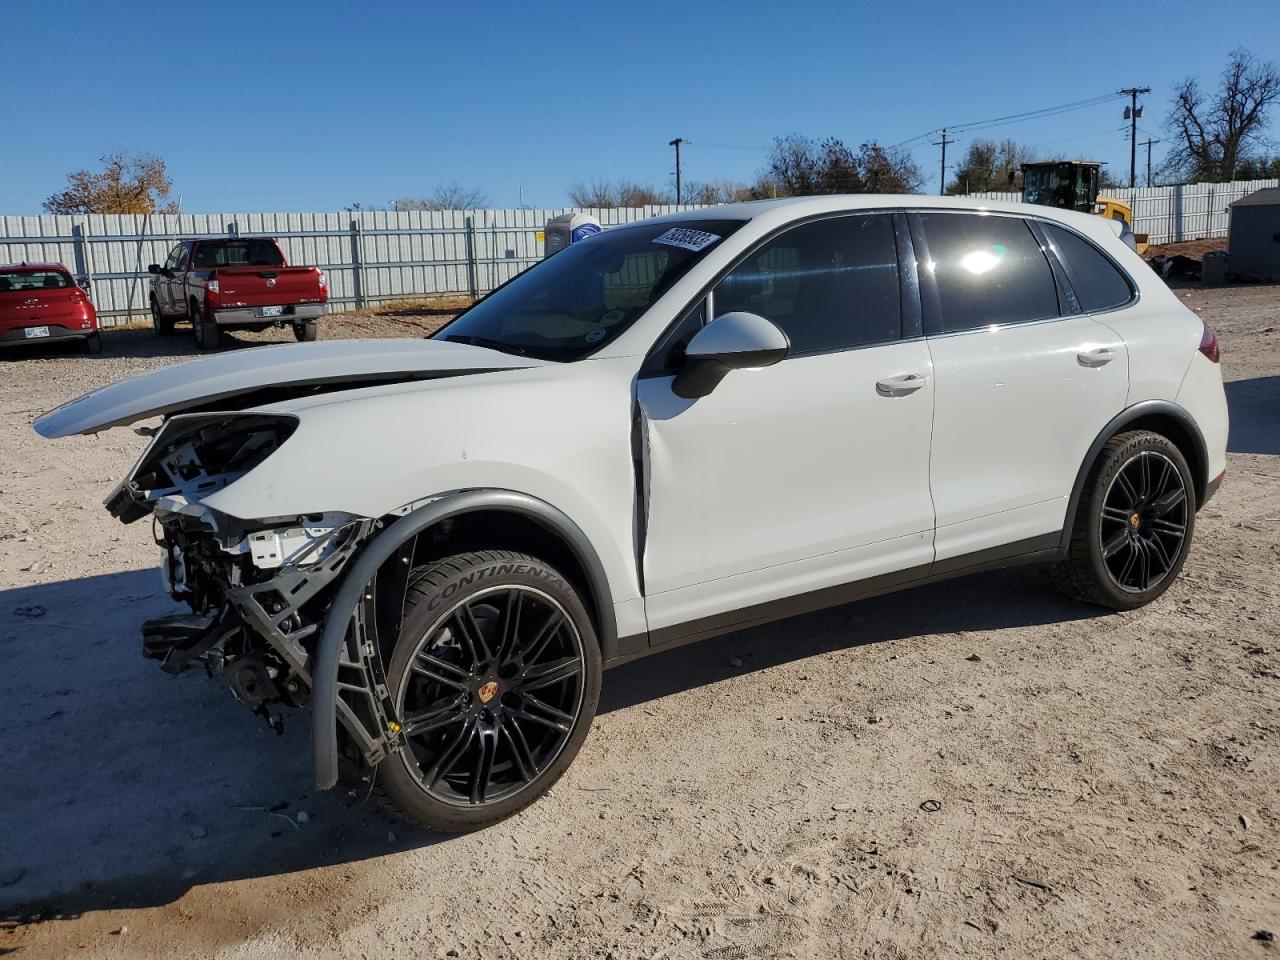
(258, 590)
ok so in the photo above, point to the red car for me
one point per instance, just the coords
(41, 302)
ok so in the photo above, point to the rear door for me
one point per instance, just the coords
(805, 475)
(1025, 380)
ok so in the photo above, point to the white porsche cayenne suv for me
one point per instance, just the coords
(674, 429)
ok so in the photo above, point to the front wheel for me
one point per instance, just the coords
(495, 679)
(163, 325)
(1133, 525)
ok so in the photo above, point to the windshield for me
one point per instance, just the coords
(25, 281)
(575, 302)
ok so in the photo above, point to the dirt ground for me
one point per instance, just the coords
(972, 769)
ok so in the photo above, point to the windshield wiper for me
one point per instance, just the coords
(490, 342)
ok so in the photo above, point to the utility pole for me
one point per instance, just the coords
(942, 177)
(1132, 113)
(1147, 143)
(676, 143)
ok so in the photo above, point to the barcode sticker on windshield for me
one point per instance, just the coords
(687, 239)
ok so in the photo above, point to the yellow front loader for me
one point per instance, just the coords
(1073, 185)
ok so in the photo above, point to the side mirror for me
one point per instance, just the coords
(83, 283)
(732, 341)
(154, 268)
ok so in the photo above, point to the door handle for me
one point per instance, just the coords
(900, 385)
(1096, 358)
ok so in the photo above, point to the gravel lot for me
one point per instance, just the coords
(970, 769)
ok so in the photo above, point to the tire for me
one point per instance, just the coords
(487, 732)
(93, 343)
(1133, 526)
(163, 325)
(207, 333)
(306, 331)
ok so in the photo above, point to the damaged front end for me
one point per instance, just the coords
(259, 590)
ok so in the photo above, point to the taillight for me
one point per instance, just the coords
(1209, 344)
(323, 279)
(212, 286)
(77, 296)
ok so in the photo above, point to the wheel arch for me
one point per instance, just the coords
(531, 521)
(1159, 416)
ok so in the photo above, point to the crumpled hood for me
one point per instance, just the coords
(288, 369)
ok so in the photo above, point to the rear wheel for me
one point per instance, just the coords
(93, 343)
(495, 677)
(305, 331)
(163, 325)
(1133, 525)
(207, 333)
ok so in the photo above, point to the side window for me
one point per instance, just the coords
(831, 284)
(1097, 282)
(176, 252)
(989, 270)
(183, 252)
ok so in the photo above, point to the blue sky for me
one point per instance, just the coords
(284, 106)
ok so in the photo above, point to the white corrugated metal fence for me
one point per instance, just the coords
(370, 256)
(374, 256)
(1189, 211)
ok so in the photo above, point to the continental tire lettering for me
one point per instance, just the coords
(496, 571)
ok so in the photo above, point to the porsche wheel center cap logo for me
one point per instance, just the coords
(488, 691)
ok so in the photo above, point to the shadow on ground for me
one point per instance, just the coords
(126, 786)
(138, 342)
(1255, 415)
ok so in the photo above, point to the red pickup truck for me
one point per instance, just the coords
(235, 282)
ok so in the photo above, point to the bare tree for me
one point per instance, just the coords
(1215, 131)
(888, 170)
(989, 165)
(800, 166)
(126, 184)
(447, 196)
(623, 193)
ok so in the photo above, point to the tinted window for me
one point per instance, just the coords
(1097, 282)
(236, 253)
(830, 284)
(989, 270)
(24, 281)
(173, 256)
(570, 305)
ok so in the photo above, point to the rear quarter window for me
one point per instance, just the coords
(1098, 283)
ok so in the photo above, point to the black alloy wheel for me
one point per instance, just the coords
(1143, 521)
(495, 680)
(1133, 524)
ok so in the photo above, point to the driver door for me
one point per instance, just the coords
(806, 475)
